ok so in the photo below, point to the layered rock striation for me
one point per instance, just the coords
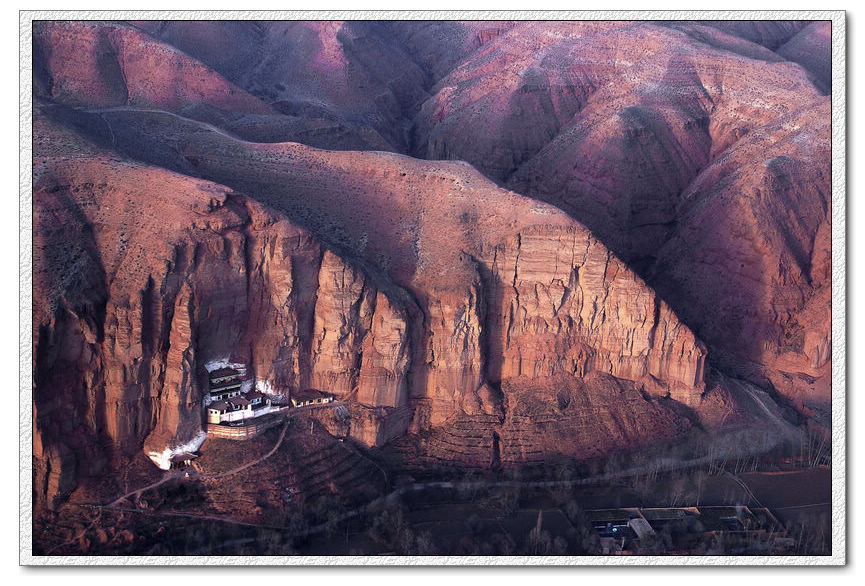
(689, 159)
(143, 276)
(494, 285)
(568, 305)
(359, 338)
(99, 64)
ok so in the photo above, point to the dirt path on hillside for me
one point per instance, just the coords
(248, 464)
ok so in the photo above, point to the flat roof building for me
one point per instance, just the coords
(224, 394)
(310, 397)
(257, 399)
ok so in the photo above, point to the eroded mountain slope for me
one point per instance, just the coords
(612, 122)
(427, 297)
(457, 287)
(143, 276)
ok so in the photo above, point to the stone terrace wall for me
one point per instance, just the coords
(244, 432)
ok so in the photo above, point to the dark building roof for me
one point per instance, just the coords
(665, 514)
(309, 394)
(609, 515)
(224, 385)
(221, 405)
(239, 401)
(725, 518)
(221, 372)
(255, 395)
(618, 532)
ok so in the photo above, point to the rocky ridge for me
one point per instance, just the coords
(181, 272)
(535, 296)
(612, 122)
(431, 299)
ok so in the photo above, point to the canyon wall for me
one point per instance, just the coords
(498, 285)
(359, 338)
(188, 272)
(643, 188)
(568, 306)
(177, 273)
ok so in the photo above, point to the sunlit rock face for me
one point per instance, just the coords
(359, 340)
(97, 64)
(497, 285)
(148, 276)
(570, 306)
(214, 274)
(660, 139)
(576, 219)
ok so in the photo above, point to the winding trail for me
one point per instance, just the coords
(181, 473)
(353, 449)
(206, 125)
(199, 516)
(253, 462)
(138, 491)
(746, 488)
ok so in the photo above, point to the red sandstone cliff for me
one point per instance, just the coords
(471, 286)
(433, 301)
(142, 276)
(618, 124)
(502, 286)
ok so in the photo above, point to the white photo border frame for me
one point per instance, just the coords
(838, 556)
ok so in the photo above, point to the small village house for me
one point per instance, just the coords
(688, 529)
(258, 399)
(310, 397)
(226, 392)
(215, 412)
(234, 409)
